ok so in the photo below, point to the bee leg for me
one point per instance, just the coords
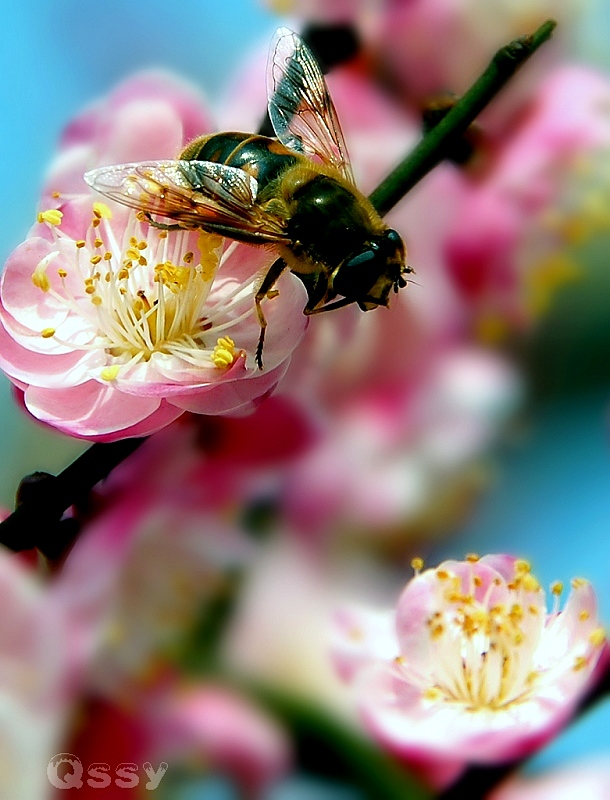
(345, 301)
(161, 225)
(274, 272)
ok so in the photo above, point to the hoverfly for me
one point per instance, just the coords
(295, 192)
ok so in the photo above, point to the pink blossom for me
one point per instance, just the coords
(34, 680)
(161, 546)
(112, 328)
(389, 451)
(230, 734)
(481, 673)
(590, 779)
(512, 236)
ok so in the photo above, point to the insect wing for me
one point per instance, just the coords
(196, 194)
(300, 107)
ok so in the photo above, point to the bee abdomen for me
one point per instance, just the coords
(260, 156)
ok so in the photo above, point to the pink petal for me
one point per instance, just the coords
(361, 636)
(90, 409)
(223, 398)
(28, 304)
(42, 369)
(232, 735)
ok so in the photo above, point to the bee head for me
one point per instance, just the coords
(369, 275)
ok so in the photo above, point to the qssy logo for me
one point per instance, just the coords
(126, 775)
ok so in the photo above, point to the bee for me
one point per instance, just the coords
(295, 192)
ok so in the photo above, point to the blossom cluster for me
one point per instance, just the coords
(216, 560)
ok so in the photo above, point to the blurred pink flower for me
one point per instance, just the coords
(482, 672)
(161, 545)
(511, 240)
(35, 680)
(226, 732)
(112, 328)
(589, 779)
(388, 452)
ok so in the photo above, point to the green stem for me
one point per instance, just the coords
(433, 147)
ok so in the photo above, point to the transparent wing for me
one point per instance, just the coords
(300, 107)
(196, 194)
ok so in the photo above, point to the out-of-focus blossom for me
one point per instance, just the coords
(514, 235)
(590, 780)
(388, 453)
(430, 46)
(160, 549)
(112, 328)
(278, 634)
(35, 676)
(228, 734)
(481, 672)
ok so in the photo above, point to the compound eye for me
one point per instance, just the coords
(394, 237)
(364, 257)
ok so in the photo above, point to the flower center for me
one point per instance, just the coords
(147, 294)
(485, 651)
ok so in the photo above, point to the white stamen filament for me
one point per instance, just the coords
(146, 295)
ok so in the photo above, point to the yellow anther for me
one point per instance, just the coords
(98, 242)
(442, 574)
(107, 256)
(477, 580)
(142, 261)
(529, 583)
(533, 610)
(95, 259)
(437, 631)
(532, 677)
(188, 257)
(584, 615)
(132, 254)
(62, 273)
(102, 211)
(142, 245)
(400, 660)
(55, 195)
(224, 353)
(81, 243)
(123, 273)
(47, 333)
(417, 564)
(162, 234)
(557, 588)
(516, 612)
(208, 244)
(580, 662)
(597, 637)
(579, 583)
(39, 276)
(110, 373)
(522, 567)
(133, 241)
(53, 216)
(97, 300)
(90, 289)
(473, 557)
(433, 693)
(95, 222)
